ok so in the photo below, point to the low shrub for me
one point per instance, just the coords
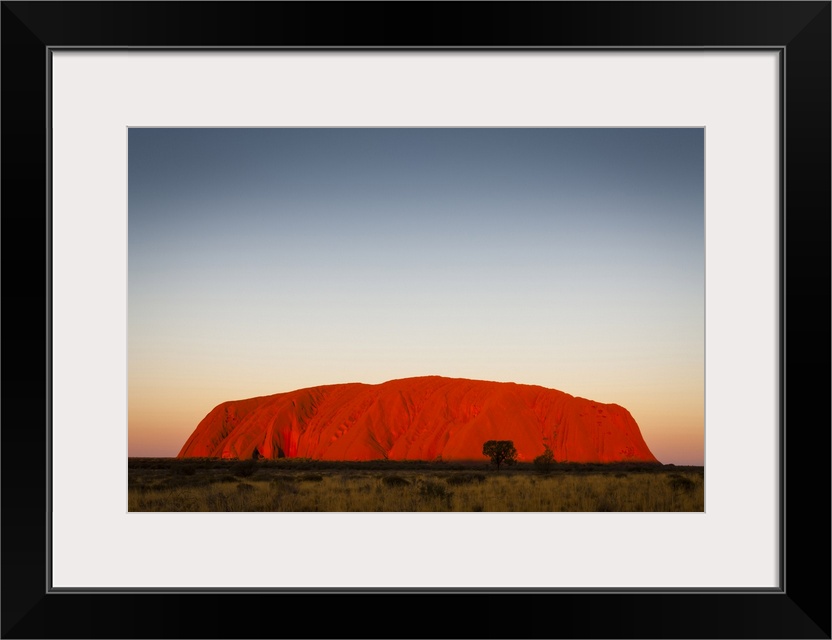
(545, 460)
(178, 481)
(395, 481)
(283, 484)
(465, 478)
(681, 483)
(179, 468)
(244, 468)
(432, 489)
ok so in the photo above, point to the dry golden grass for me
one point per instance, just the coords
(409, 490)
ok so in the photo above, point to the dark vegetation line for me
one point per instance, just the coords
(304, 464)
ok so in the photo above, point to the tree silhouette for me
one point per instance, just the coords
(500, 451)
(544, 461)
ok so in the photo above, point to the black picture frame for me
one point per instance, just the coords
(799, 31)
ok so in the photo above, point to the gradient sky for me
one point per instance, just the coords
(268, 260)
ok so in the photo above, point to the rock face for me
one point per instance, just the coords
(418, 419)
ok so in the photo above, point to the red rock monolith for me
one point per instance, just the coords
(419, 419)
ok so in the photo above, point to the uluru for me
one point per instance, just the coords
(423, 418)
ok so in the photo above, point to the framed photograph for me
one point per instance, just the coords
(148, 149)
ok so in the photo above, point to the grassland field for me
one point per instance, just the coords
(295, 484)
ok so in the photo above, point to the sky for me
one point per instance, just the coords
(267, 260)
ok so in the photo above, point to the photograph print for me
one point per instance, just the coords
(416, 319)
